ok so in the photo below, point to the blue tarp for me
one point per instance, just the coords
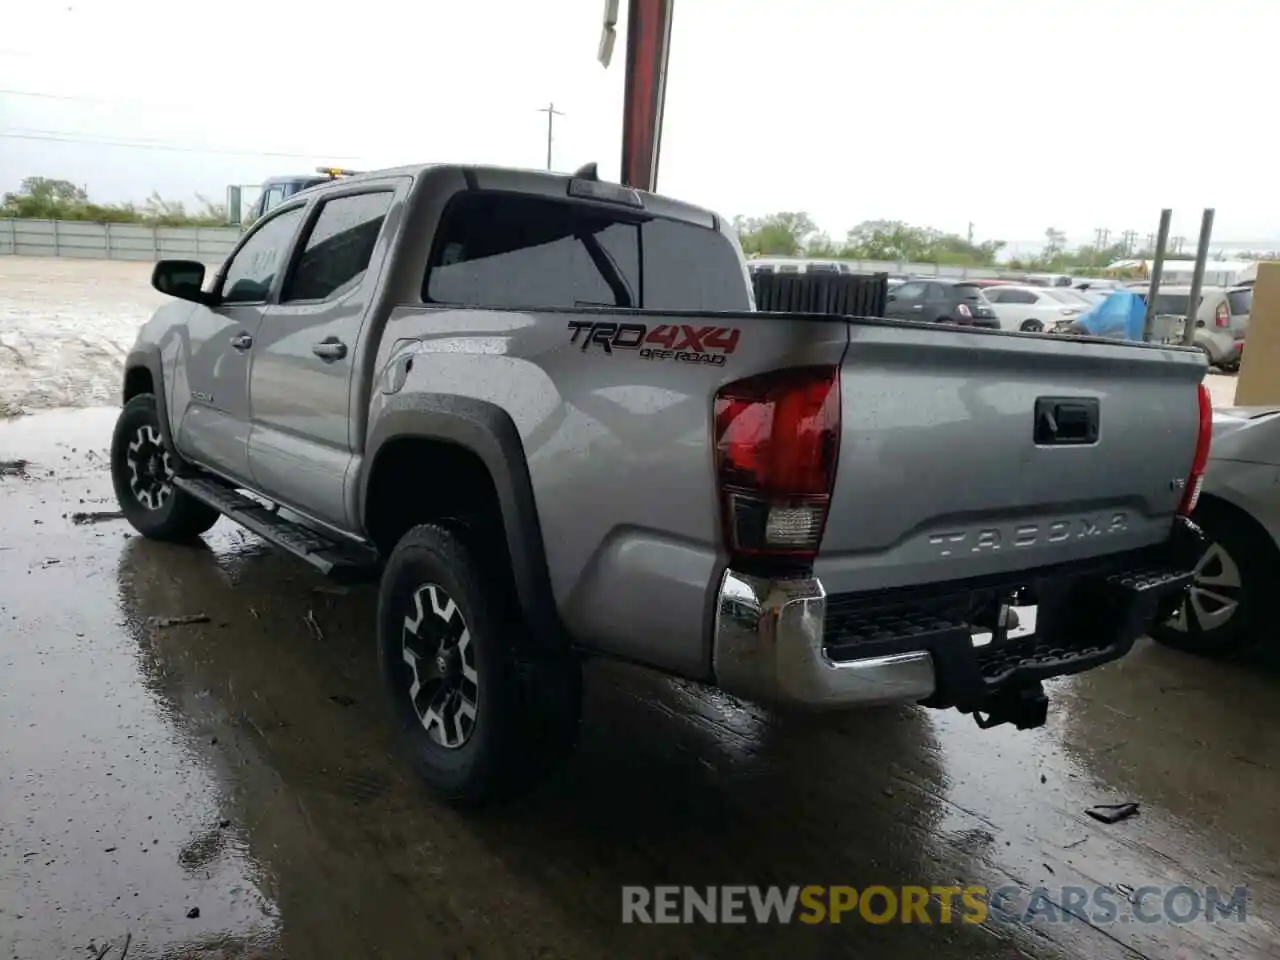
(1120, 316)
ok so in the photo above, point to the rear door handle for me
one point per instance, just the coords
(242, 341)
(329, 349)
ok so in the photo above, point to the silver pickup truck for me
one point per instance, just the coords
(544, 410)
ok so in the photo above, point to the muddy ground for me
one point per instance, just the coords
(231, 788)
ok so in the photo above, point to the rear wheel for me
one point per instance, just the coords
(483, 715)
(1223, 613)
(142, 473)
(1032, 326)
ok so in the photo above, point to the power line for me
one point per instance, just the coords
(61, 136)
(80, 98)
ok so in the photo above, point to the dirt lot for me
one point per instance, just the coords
(230, 788)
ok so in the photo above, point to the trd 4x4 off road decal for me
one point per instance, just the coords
(685, 343)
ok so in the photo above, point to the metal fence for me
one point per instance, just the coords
(892, 267)
(115, 241)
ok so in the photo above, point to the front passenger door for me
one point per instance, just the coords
(907, 302)
(211, 390)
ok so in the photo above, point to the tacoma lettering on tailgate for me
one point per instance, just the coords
(987, 539)
(683, 343)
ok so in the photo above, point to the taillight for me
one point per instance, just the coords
(963, 310)
(1222, 316)
(777, 440)
(1195, 479)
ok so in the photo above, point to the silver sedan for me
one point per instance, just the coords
(1227, 610)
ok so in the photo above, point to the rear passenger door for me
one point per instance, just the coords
(300, 382)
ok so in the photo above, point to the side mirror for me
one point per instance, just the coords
(892, 296)
(183, 279)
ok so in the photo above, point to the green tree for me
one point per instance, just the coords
(777, 234)
(45, 198)
(899, 241)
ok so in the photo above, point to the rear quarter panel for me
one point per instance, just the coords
(619, 452)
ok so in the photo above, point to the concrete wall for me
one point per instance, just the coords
(116, 241)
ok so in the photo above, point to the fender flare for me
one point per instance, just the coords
(487, 431)
(148, 358)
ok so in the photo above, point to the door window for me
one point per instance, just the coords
(252, 270)
(1007, 295)
(910, 291)
(339, 247)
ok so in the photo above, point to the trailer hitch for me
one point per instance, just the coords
(1025, 706)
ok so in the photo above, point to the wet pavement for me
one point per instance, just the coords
(231, 788)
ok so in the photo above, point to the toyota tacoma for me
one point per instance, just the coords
(545, 412)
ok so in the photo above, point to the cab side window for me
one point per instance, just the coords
(339, 248)
(252, 270)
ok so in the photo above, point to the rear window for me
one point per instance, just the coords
(1240, 301)
(968, 291)
(514, 251)
(1173, 303)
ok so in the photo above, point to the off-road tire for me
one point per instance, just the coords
(1254, 559)
(524, 705)
(145, 491)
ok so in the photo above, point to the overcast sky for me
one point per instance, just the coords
(1013, 114)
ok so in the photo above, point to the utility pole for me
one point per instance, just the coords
(969, 237)
(1197, 277)
(551, 112)
(1157, 270)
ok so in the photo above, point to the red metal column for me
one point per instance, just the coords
(648, 49)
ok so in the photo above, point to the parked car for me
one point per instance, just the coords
(275, 190)
(941, 301)
(1222, 319)
(762, 265)
(1103, 285)
(1034, 309)
(983, 282)
(1228, 608)
(446, 382)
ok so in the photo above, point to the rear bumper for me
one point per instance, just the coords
(787, 641)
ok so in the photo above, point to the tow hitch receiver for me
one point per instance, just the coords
(1025, 706)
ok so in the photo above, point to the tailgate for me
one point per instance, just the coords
(950, 468)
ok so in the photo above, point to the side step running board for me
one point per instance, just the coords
(336, 558)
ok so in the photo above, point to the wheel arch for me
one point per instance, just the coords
(1232, 511)
(486, 435)
(144, 373)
